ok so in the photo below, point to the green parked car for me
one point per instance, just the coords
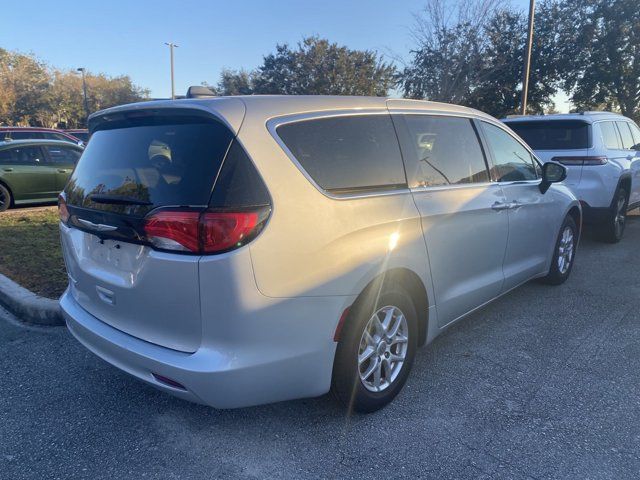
(34, 171)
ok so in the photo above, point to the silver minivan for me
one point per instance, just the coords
(243, 250)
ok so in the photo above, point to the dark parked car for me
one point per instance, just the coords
(34, 171)
(33, 133)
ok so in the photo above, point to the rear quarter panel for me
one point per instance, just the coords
(314, 245)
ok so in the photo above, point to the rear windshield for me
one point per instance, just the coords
(553, 134)
(133, 170)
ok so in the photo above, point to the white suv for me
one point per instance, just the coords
(243, 250)
(602, 153)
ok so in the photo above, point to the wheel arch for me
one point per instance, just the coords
(8, 187)
(409, 281)
(624, 182)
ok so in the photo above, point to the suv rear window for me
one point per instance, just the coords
(133, 170)
(553, 134)
(350, 153)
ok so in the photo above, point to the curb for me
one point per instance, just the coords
(27, 306)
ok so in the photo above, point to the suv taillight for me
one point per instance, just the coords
(63, 211)
(571, 161)
(204, 232)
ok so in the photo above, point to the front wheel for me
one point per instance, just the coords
(564, 253)
(5, 198)
(376, 351)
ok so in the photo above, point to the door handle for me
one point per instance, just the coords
(8, 169)
(515, 205)
(497, 206)
(62, 170)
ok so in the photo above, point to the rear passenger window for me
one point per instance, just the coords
(512, 161)
(625, 135)
(350, 153)
(63, 155)
(443, 151)
(609, 135)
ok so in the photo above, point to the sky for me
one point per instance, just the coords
(119, 37)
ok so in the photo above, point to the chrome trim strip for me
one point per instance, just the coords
(99, 227)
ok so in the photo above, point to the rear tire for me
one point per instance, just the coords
(5, 198)
(376, 349)
(564, 253)
(612, 229)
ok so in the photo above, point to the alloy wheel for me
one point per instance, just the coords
(565, 250)
(383, 348)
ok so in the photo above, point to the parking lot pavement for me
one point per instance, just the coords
(543, 383)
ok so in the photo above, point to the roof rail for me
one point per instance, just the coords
(597, 112)
(200, 91)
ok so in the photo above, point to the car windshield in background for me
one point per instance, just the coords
(553, 134)
(135, 169)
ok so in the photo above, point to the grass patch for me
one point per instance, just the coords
(30, 252)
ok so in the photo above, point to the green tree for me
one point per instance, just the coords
(474, 56)
(600, 53)
(315, 67)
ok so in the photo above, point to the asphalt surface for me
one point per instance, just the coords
(543, 383)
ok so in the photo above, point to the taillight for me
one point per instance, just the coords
(63, 211)
(203, 232)
(595, 160)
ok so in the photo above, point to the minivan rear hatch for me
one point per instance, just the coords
(140, 162)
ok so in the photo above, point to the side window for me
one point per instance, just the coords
(26, 156)
(635, 131)
(443, 151)
(63, 155)
(56, 136)
(26, 135)
(625, 135)
(349, 153)
(7, 156)
(609, 135)
(512, 162)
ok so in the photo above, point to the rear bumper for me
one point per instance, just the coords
(233, 375)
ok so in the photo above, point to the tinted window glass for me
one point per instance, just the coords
(609, 135)
(553, 134)
(63, 155)
(636, 135)
(444, 150)
(512, 162)
(84, 136)
(7, 155)
(154, 165)
(239, 184)
(347, 153)
(55, 136)
(625, 135)
(26, 135)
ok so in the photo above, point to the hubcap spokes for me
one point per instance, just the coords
(565, 250)
(383, 348)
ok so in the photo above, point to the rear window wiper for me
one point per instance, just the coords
(117, 199)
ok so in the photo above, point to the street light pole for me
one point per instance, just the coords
(84, 91)
(171, 47)
(527, 59)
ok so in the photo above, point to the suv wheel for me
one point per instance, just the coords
(564, 253)
(376, 351)
(5, 198)
(612, 230)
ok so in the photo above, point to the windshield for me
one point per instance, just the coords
(553, 134)
(133, 170)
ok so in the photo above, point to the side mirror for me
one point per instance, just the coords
(552, 173)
